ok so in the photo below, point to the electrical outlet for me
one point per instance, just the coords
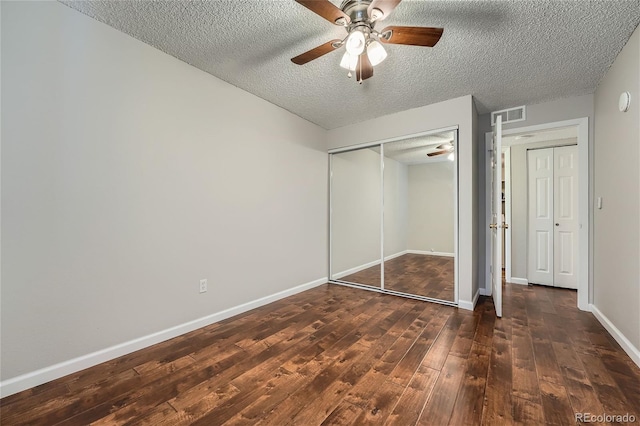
(203, 285)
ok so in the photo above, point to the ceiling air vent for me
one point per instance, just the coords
(510, 115)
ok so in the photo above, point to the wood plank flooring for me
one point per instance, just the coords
(423, 275)
(342, 356)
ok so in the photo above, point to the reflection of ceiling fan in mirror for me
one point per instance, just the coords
(445, 148)
(363, 42)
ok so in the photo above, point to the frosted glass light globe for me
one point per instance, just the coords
(355, 43)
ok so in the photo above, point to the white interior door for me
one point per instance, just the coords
(553, 216)
(565, 201)
(497, 224)
(540, 245)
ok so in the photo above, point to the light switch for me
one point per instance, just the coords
(599, 202)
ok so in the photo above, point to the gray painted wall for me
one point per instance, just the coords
(617, 181)
(127, 176)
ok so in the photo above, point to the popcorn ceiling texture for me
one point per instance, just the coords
(504, 53)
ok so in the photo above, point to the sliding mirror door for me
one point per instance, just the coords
(420, 216)
(356, 229)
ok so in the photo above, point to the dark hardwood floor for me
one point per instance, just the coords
(338, 355)
(424, 275)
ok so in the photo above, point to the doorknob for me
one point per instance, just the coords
(505, 225)
(557, 224)
(493, 225)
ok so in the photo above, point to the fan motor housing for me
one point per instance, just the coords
(357, 10)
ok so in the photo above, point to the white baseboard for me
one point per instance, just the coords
(628, 347)
(355, 269)
(47, 374)
(398, 254)
(469, 306)
(521, 281)
(431, 253)
(364, 266)
(465, 304)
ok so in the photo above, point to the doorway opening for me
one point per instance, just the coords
(518, 244)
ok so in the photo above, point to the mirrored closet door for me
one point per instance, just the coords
(420, 215)
(355, 217)
(393, 222)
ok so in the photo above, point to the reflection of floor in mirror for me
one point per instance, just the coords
(430, 276)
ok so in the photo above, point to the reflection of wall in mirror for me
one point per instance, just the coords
(396, 210)
(431, 208)
(355, 219)
(418, 215)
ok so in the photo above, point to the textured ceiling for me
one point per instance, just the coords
(504, 53)
(415, 150)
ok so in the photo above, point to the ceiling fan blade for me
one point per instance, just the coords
(364, 69)
(413, 36)
(385, 6)
(434, 153)
(327, 10)
(446, 145)
(316, 52)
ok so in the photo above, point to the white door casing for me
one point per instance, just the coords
(496, 216)
(540, 235)
(566, 225)
(553, 216)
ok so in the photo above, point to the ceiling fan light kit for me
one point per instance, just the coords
(349, 62)
(356, 42)
(363, 42)
(376, 52)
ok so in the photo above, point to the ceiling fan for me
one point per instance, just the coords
(363, 42)
(441, 149)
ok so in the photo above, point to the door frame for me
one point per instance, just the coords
(584, 201)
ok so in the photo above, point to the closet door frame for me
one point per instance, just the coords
(381, 144)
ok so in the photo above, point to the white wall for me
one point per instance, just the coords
(396, 207)
(520, 202)
(617, 180)
(431, 207)
(127, 176)
(453, 112)
(355, 201)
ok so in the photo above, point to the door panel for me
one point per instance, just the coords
(540, 247)
(543, 198)
(565, 246)
(420, 234)
(497, 220)
(566, 215)
(356, 200)
(543, 243)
